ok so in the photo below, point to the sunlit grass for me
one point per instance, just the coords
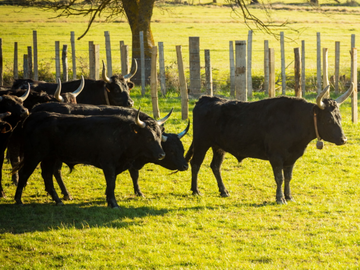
(170, 228)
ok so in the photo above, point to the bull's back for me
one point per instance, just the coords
(75, 139)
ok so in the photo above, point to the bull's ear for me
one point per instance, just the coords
(130, 85)
(5, 128)
(135, 128)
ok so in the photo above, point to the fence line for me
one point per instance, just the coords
(124, 49)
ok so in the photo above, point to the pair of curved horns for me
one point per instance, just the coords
(74, 94)
(126, 77)
(339, 100)
(142, 124)
(24, 96)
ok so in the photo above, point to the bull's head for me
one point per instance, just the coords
(69, 97)
(174, 149)
(118, 88)
(329, 118)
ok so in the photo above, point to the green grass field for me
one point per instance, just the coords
(170, 228)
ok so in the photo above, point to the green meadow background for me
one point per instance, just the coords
(170, 228)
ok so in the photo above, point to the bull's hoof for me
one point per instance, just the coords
(113, 205)
(139, 194)
(290, 199)
(225, 194)
(59, 203)
(19, 203)
(196, 193)
(67, 198)
(281, 201)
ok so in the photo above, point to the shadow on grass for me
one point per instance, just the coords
(18, 219)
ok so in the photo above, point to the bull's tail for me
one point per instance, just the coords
(17, 167)
(189, 153)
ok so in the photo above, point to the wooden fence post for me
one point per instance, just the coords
(1, 63)
(271, 72)
(124, 50)
(337, 66)
(354, 98)
(73, 56)
(303, 79)
(232, 69)
(183, 87)
(25, 67)
(266, 66)
(153, 83)
(57, 60)
(208, 74)
(91, 60)
(283, 71)
(96, 61)
(194, 55)
(249, 62)
(162, 68)
(142, 63)
(108, 53)
(36, 67)
(240, 70)
(16, 61)
(65, 63)
(325, 70)
(297, 69)
(352, 46)
(29, 62)
(318, 62)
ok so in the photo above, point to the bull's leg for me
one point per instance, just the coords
(218, 157)
(14, 157)
(288, 176)
(2, 193)
(59, 180)
(134, 173)
(196, 161)
(279, 179)
(47, 166)
(24, 175)
(110, 178)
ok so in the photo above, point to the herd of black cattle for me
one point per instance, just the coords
(92, 122)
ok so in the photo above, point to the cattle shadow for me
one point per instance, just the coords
(18, 219)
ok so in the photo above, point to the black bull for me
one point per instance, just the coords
(111, 91)
(110, 143)
(275, 129)
(14, 111)
(172, 146)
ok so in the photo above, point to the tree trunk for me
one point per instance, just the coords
(139, 13)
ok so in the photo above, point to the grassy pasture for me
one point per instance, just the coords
(170, 228)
